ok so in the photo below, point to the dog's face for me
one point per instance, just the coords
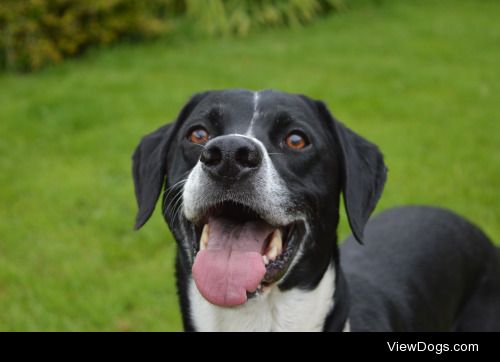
(252, 189)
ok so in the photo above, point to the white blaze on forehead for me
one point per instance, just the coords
(255, 113)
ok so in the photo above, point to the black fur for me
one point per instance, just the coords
(363, 172)
(149, 167)
(421, 268)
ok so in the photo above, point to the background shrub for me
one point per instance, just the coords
(241, 16)
(39, 32)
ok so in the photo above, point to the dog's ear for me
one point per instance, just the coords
(363, 172)
(149, 163)
(149, 166)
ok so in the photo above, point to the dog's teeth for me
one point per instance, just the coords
(265, 259)
(204, 237)
(275, 246)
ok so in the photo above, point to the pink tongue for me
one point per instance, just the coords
(232, 264)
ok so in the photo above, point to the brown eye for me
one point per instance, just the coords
(296, 140)
(198, 135)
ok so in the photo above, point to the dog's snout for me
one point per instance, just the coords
(231, 156)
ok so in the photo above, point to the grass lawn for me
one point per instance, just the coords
(419, 78)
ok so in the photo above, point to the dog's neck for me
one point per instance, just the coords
(292, 310)
(337, 320)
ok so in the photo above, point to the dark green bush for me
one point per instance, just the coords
(39, 32)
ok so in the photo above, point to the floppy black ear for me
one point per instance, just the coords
(149, 163)
(363, 173)
(149, 167)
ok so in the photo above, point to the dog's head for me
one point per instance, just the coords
(252, 184)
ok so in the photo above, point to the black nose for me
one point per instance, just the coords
(231, 157)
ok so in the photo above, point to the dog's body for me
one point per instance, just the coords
(422, 269)
(253, 181)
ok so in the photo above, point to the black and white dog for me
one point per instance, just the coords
(252, 190)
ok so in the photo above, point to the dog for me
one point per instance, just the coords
(252, 184)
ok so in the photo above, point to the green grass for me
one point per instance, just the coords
(419, 78)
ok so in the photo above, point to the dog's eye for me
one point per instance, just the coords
(198, 135)
(296, 140)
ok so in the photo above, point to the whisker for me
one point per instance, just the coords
(173, 202)
(178, 212)
(178, 206)
(171, 188)
(168, 191)
(176, 184)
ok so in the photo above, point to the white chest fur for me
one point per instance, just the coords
(292, 310)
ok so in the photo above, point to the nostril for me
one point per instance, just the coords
(248, 157)
(211, 156)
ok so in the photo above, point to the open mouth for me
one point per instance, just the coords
(239, 254)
